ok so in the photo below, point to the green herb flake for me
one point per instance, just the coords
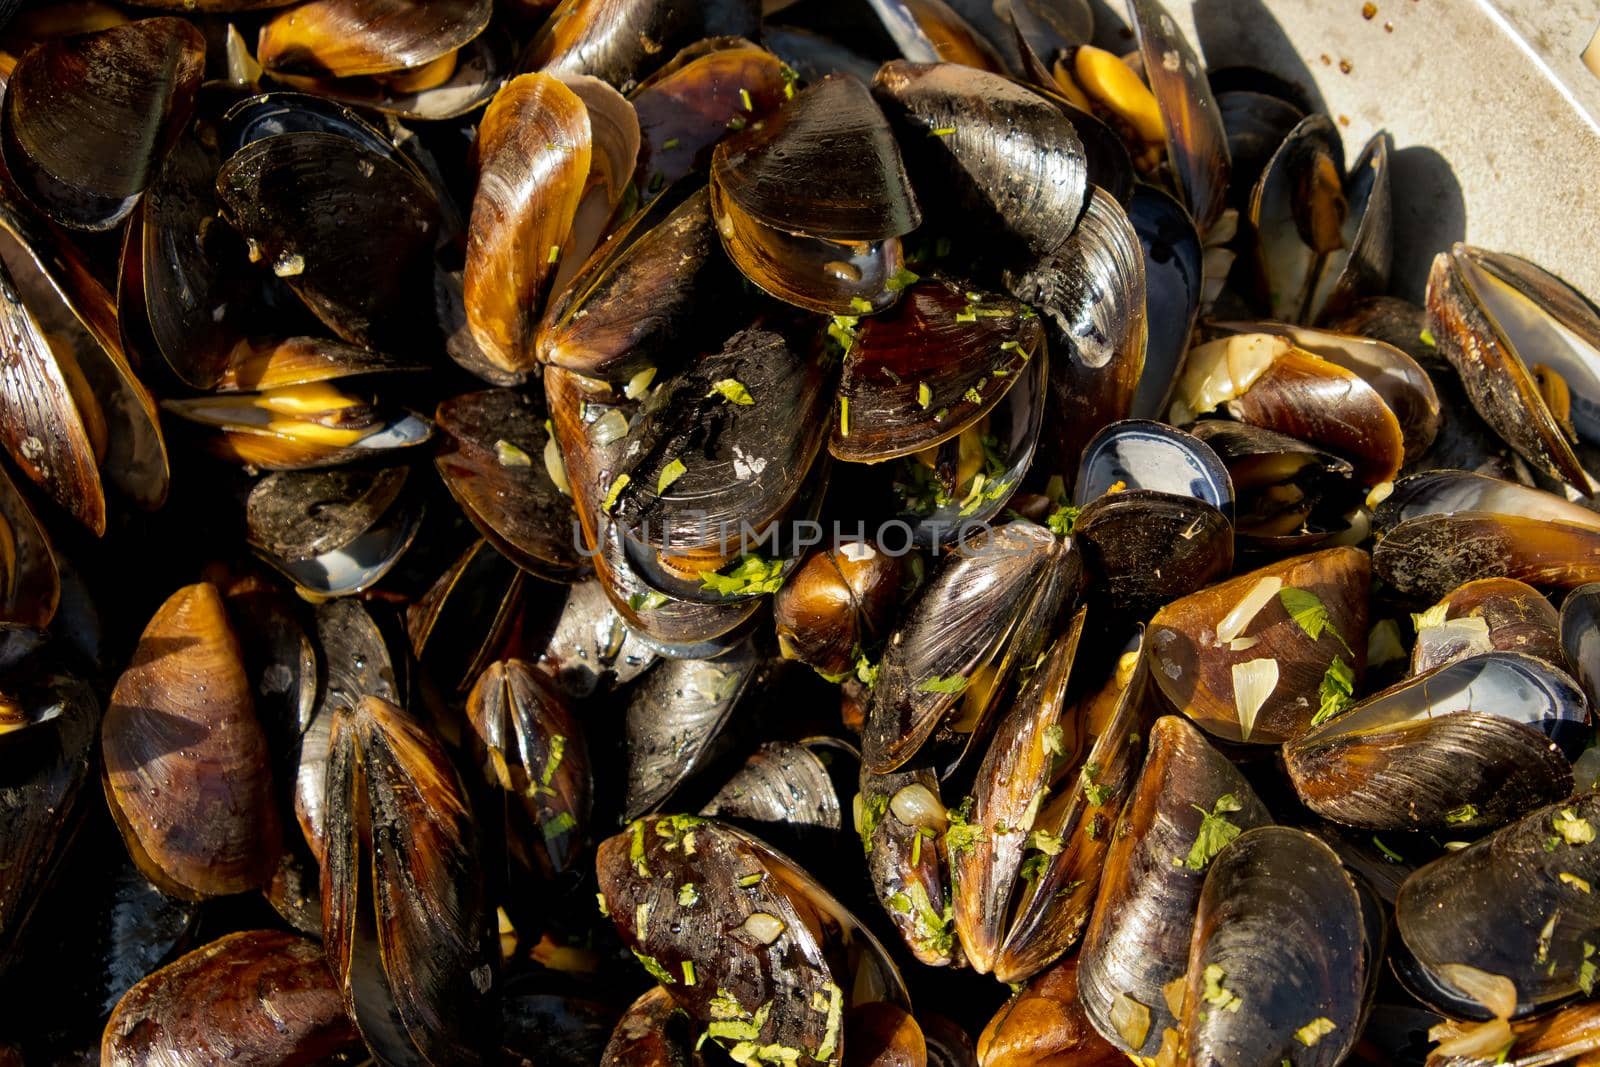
(555, 254)
(1568, 878)
(1390, 854)
(736, 123)
(1335, 692)
(941, 131)
(669, 474)
(1314, 1031)
(724, 1006)
(916, 848)
(931, 930)
(1427, 338)
(1586, 970)
(1063, 519)
(653, 966)
(924, 395)
(1573, 830)
(843, 330)
(733, 391)
(861, 305)
(617, 486)
(753, 574)
(835, 1009)
(669, 144)
(961, 836)
(844, 416)
(605, 911)
(564, 822)
(688, 895)
(873, 809)
(744, 99)
(1464, 814)
(1309, 613)
(509, 455)
(951, 685)
(1215, 832)
(1046, 842)
(902, 279)
(1054, 740)
(552, 762)
(646, 601)
(790, 78)
(636, 850)
(972, 396)
(1216, 994)
(748, 880)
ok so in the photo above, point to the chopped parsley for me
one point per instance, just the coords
(1096, 794)
(1573, 830)
(1464, 814)
(860, 305)
(509, 455)
(752, 574)
(1215, 832)
(961, 836)
(1309, 613)
(873, 809)
(902, 279)
(732, 390)
(955, 683)
(688, 895)
(1216, 994)
(1314, 1031)
(1063, 519)
(647, 601)
(924, 395)
(669, 474)
(653, 966)
(1335, 692)
(615, 491)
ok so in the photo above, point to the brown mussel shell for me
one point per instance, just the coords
(838, 604)
(256, 998)
(1488, 615)
(1511, 904)
(346, 38)
(1044, 1025)
(1281, 951)
(623, 41)
(652, 1033)
(1150, 548)
(187, 770)
(332, 532)
(494, 463)
(1139, 934)
(1195, 671)
(88, 119)
(900, 818)
(402, 902)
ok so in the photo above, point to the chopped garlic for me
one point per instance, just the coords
(1253, 683)
(1237, 621)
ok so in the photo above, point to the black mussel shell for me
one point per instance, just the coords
(1298, 211)
(900, 818)
(1489, 615)
(623, 41)
(1580, 637)
(1174, 279)
(1141, 454)
(932, 31)
(333, 532)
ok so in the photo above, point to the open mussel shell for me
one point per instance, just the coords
(589, 645)
(829, 247)
(1197, 145)
(1044, 1022)
(494, 463)
(1290, 494)
(1144, 915)
(732, 439)
(1514, 905)
(673, 720)
(1256, 123)
(654, 291)
(1090, 296)
(709, 91)
(1044, 29)
(1140, 454)
(1298, 211)
(533, 752)
(1149, 547)
(47, 734)
(1239, 662)
(457, 627)
(198, 816)
(536, 149)
(80, 417)
(987, 154)
(1440, 529)
(652, 1033)
(30, 581)
(623, 41)
(345, 38)
(1174, 277)
(402, 909)
(932, 31)
(1488, 615)
(1281, 954)
(1580, 637)
(789, 792)
(299, 428)
(1268, 381)
(751, 947)
(1360, 266)
(1398, 379)
(256, 996)
(932, 367)
(1472, 744)
(1501, 322)
(348, 229)
(839, 603)
(977, 621)
(88, 119)
(333, 532)
(901, 818)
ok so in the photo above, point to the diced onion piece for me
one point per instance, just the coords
(1466, 636)
(1253, 682)
(1238, 620)
(1481, 1041)
(1243, 644)
(1222, 370)
(915, 805)
(556, 466)
(1173, 992)
(1495, 992)
(1131, 1019)
(608, 428)
(639, 383)
(762, 928)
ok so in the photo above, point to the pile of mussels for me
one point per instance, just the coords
(891, 503)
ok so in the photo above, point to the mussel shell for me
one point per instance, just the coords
(1580, 637)
(1150, 547)
(813, 56)
(332, 532)
(349, 229)
(1197, 145)
(1499, 905)
(1303, 180)
(88, 119)
(264, 115)
(1044, 1023)
(1046, 28)
(1263, 466)
(1256, 124)
(932, 31)
(402, 901)
(1489, 326)
(786, 789)
(1494, 614)
(1194, 673)
(839, 603)
(533, 751)
(1361, 267)
(833, 128)
(1090, 295)
(47, 760)
(345, 38)
(973, 624)
(30, 581)
(1174, 277)
(673, 719)
(590, 647)
(1139, 454)
(966, 368)
(652, 1033)
(508, 493)
(478, 69)
(187, 769)
(1473, 744)
(257, 996)
(777, 983)
(905, 865)
(622, 41)
(1284, 921)
(986, 154)
(458, 625)
(1144, 916)
(709, 90)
